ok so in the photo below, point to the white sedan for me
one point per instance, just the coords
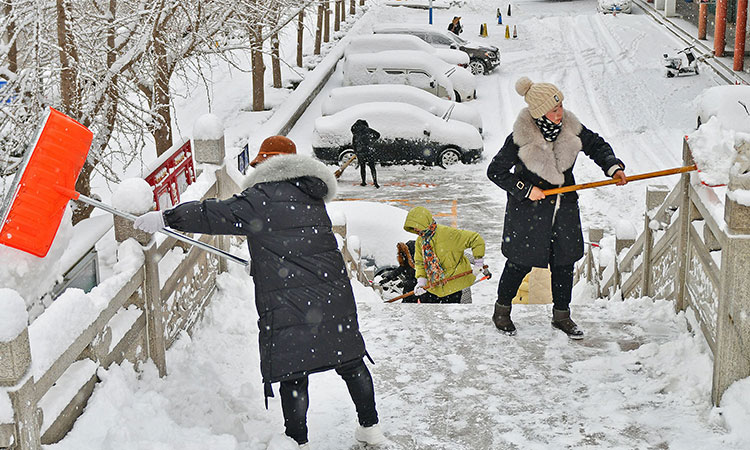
(383, 42)
(344, 97)
(407, 134)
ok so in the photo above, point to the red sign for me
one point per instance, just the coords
(172, 176)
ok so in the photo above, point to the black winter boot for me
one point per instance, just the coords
(501, 319)
(561, 320)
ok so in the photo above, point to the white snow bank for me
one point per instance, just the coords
(729, 104)
(735, 405)
(626, 230)
(134, 196)
(713, 151)
(208, 127)
(13, 315)
(379, 228)
(30, 275)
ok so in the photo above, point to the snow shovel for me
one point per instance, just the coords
(45, 182)
(343, 167)
(643, 176)
(487, 275)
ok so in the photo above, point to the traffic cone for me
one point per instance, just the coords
(515, 33)
(507, 32)
(484, 30)
(481, 29)
(499, 18)
(508, 9)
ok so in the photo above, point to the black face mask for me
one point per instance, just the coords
(549, 129)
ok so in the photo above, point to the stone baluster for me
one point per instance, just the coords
(655, 196)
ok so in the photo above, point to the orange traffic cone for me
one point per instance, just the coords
(507, 32)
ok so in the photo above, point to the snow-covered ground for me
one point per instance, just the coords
(444, 378)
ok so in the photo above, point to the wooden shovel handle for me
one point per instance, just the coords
(410, 293)
(642, 176)
(340, 170)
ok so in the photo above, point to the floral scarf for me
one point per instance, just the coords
(435, 273)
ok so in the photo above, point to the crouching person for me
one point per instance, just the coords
(307, 314)
(439, 255)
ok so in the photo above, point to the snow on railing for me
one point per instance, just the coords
(695, 250)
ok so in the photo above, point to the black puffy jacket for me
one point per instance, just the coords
(307, 314)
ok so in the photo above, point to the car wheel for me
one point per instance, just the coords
(346, 155)
(449, 157)
(458, 96)
(477, 67)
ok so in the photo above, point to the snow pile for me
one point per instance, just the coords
(735, 405)
(13, 315)
(626, 230)
(713, 151)
(31, 276)
(208, 127)
(134, 196)
(729, 104)
(378, 226)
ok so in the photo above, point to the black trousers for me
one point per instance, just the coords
(295, 401)
(512, 277)
(429, 297)
(363, 172)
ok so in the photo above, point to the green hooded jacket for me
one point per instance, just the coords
(449, 245)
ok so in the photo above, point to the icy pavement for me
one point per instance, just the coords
(444, 379)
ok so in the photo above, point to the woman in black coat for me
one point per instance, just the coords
(362, 139)
(307, 314)
(544, 231)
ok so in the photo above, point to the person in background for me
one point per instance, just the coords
(439, 255)
(405, 271)
(455, 26)
(541, 231)
(362, 139)
(307, 313)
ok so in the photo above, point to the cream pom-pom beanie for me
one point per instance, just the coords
(541, 97)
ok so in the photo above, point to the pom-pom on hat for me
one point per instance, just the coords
(541, 97)
(274, 145)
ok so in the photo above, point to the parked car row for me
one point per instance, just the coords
(408, 89)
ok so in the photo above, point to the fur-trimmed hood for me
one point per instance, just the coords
(549, 160)
(289, 167)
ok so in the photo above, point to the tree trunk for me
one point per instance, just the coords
(275, 64)
(68, 62)
(11, 31)
(319, 29)
(258, 67)
(300, 36)
(83, 186)
(327, 29)
(336, 16)
(160, 103)
(353, 7)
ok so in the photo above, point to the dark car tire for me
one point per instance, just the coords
(458, 96)
(345, 155)
(477, 67)
(449, 157)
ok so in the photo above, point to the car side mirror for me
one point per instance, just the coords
(426, 131)
(454, 46)
(432, 83)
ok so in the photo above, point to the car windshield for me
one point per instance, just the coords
(458, 39)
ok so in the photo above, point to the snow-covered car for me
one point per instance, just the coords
(407, 134)
(730, 104)
(482, 58)
(383, 42)
(344, 97)
(615, 6)
(412, 68)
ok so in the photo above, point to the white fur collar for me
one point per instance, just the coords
(288, 167)
(547, 159)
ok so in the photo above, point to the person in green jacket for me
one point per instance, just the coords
(439, 255)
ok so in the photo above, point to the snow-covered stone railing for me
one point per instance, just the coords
(351, 249)
(695, 250)
(159, 289)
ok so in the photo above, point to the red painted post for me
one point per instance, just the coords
(702, 19)
(739, 38)
(720, 29)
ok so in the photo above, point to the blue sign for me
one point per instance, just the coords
(9, 99)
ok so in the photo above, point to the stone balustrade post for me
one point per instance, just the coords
(732, 356)
(156, 340)
(592, 272)
(655, 196)
(686, 211)
(15, 365)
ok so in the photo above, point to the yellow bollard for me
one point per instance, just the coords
(507, 32)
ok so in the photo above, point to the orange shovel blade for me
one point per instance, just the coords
(34, 206)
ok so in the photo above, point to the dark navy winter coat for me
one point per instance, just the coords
(527, 160)
(307, 314)
(363, 138)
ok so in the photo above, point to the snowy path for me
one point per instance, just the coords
(444, 378)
